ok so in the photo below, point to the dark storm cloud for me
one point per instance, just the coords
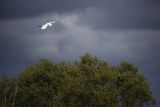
(122, 17)
(113, 14)
(12, 51)
(22, 8)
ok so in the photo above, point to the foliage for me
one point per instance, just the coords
(88, 82)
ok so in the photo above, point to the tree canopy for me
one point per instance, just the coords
(87, 82)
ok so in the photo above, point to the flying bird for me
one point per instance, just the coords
(46, 25)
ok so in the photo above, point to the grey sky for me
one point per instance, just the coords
(110, 29)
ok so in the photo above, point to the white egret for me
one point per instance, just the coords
(46, 25)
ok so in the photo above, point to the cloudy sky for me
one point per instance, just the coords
(113, 30)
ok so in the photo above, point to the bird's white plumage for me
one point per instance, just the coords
(46, 25)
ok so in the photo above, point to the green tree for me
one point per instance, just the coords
(88, 82)
(7, 92)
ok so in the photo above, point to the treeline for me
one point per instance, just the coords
(88, 82)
